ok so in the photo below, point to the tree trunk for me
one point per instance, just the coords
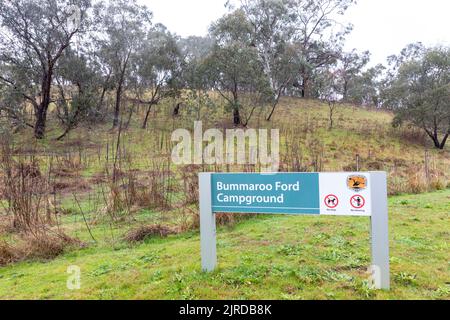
(41, 110)
(444, 141)
(345, 93)
(305, 92)
(176, 110)
(331, 108)
(117, 108)
(147, 115)
(236, 117)
(41, 119)
(130, 114)
(272, 112)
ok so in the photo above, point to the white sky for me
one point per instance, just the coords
(382, 26)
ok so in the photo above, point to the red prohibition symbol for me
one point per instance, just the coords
(358, 202)
(331, 201)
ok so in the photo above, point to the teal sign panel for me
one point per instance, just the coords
(282, 193)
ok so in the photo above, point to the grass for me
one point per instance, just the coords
(303, 125)
(267, 257)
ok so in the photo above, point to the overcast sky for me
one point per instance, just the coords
(382, 26)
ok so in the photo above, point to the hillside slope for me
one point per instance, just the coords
(114, 189)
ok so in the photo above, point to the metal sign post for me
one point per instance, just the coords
(207, 224)
(342, 194)
(380, 231)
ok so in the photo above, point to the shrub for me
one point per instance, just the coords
(150, 231)
(8, 254)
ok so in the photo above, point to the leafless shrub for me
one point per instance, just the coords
(144, 232)
(43, 244)
(47, 245)
(68, 166)
(130, 193)
(26, 191)
(189, 176)
(412, 136)
(316, 150)
(230, 219)
(8, 254)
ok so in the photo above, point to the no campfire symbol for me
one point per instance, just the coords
(357, 183)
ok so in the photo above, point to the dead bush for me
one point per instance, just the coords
(189, 175)
(375, 166)
(222, 219)
(70, 185)
(46, 245)
(8, 254)
(130, 192)
(26, 191)
(150, 231)
(43, 245)
(66, 168)
(6, 225)
(417, 184)
(231, 219)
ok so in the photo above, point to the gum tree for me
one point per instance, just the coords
(123, 27)
(419, 92)
(272, 31)
(318, 35)
(235, 69)
(33, 36)
(156, 69)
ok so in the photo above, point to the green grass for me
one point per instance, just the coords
(268, 257)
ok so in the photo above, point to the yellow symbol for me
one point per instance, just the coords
(357, 183)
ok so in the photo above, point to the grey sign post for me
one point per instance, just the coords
(207, 224)
(375, 197)
(380, 230)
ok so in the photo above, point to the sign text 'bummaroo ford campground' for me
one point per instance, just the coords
(342, 194)
(302, 193)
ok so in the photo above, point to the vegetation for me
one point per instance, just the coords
(421, 90)
(91, 92)
(262, 258)
(94, 59)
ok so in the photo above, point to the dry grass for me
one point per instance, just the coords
(42, 245)
(45, 245)
(7, 254)
(150, 231)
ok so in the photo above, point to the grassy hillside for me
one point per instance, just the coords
(268, 257)
(307, 144)
(95, 191)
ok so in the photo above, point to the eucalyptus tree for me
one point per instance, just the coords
(234, 67)
(237, 75)
(350, 67)
(329, 90)
(419, 92)
(194, 51)
(272, 33)
(157, 69)
(365, 88)
(13, 106)
(319, 35)
(291, 42)
(124, 25)
(33, 36)
(78, 85)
